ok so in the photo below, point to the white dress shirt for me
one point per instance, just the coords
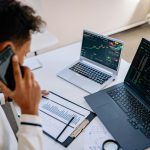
(30, 134)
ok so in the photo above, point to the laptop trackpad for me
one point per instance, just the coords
(108, 112)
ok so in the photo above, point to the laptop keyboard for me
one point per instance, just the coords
(138, 115)
(90, 73)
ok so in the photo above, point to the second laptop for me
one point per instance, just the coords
(98, 63)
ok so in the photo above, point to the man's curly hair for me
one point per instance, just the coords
(17, 21)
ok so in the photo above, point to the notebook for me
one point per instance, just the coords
(125, 108)
(98, 63)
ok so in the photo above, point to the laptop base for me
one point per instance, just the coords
(116, 121)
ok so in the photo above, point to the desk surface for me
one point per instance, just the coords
(52, 63)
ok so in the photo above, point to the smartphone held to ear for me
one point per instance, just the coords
(6, 68)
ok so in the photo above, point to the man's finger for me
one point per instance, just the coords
(44, 92)
(16, 70)
(6, 90)
(27, 77)
(32, 76)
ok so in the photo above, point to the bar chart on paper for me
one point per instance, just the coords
(61, 113)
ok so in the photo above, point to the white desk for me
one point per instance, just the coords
(52, 63)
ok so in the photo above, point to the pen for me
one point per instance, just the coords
(64, 128)
(45, 97)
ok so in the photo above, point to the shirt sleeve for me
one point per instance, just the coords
(2, 99)
(30, 134)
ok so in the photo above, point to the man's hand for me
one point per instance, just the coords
(27, 93)
(44, 92)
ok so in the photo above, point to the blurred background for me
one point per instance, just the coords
(127, 20)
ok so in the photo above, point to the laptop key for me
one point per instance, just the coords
(134, 123)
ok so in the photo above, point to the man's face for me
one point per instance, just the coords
(22, 51)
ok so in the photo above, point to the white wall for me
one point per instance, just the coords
(67, 18)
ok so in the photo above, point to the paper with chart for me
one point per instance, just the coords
(57, 112)
(94, 136)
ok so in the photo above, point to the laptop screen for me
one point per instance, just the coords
(101, 49)
(138, 76)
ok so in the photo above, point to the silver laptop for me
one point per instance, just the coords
(98, 64)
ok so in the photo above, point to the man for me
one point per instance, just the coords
(17, 22)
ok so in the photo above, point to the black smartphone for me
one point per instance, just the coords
(6, 68)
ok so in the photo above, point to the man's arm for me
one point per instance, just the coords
(30, 133)
(2, 99)
(27, 95)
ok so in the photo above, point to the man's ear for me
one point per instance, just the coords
(5, 44)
